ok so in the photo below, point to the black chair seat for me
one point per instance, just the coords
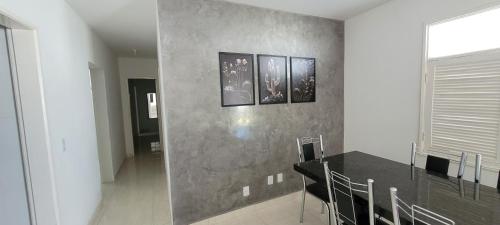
(364, 219)
(319, 191)
(362, 213)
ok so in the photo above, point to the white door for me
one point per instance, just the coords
(13, 196)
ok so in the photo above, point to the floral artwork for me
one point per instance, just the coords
(303, 79)
(237, 79)
(272, 79)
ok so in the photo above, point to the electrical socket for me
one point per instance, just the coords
(279, 177)
(270, 180)
(246, 191)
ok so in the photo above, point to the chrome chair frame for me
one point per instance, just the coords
(461, 165)
(414, 212)
(300, 142)
(498, 182)
(334, 179)
(477, 174)
(462, 162)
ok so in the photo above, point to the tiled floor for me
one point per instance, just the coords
(279, 211)
(138, 196)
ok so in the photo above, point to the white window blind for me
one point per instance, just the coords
(462, 106)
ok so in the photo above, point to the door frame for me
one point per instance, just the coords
(20, 124)
(32, 121)
(127, 113)
(98, 81)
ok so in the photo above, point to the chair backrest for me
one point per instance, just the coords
(340, 189)
(416, 214)
(305, 147)
(498, 183)
(437, 164)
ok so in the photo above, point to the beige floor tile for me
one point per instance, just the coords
(279, 211)
(138, 196)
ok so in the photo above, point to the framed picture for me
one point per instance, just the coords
(273, 87)
(236, 79)
(303, 79)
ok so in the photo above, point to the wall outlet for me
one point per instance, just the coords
(279, 177)
(246, 191)
(270, 180)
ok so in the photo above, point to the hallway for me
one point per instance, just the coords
(139, 194)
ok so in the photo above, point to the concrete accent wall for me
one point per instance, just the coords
(211, 154)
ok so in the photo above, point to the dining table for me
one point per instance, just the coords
(464, 202)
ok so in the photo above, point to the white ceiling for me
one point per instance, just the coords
(333, 9)
(131, 24)
(123, 24)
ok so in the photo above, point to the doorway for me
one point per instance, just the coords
(144, 114)
(14, 206)
(101, 115)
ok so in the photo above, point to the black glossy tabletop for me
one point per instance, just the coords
(462, 201)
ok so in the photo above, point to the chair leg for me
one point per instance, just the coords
(322, 208)
(336, 214)
(302, 206)
(329, 214)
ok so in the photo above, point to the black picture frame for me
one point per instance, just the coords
(280, 68)
(302, 79)
(237, 80)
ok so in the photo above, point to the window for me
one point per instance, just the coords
(467, 34)
(461, 89)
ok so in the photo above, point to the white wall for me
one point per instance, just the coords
(383, 63)
(66, 45)
(133, 68)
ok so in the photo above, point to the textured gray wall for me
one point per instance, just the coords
(212, 154)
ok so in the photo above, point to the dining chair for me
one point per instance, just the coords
(341, 199)
(305, 147)
(498, 182)
(416, 214)
(439, 165)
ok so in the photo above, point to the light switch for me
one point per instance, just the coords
(63, 145)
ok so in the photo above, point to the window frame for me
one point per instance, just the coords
(424, 102)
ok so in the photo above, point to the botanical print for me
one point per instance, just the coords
(236, 77)
(303, 79)
(272, 79)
